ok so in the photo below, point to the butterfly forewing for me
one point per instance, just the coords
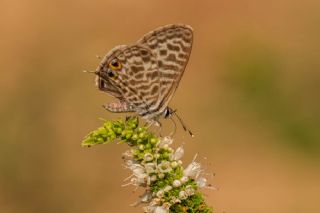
(172, 46)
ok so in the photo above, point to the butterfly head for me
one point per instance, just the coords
(108, 75)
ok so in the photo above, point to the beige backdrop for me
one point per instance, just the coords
(250, 94)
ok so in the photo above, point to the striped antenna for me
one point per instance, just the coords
(86, 71)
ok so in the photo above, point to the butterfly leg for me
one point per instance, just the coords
(150, 123)
(118, 107)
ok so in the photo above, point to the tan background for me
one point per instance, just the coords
(250, 93)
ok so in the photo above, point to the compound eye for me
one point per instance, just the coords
(115, 65)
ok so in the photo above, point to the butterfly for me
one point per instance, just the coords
(145, 75)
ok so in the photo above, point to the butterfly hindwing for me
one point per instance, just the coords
(172, 46)
(138, 80)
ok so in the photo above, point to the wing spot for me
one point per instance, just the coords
(163, 52)
(154, 90)
(136, 68)
(139, 76)
(146, 59)
(152, 75)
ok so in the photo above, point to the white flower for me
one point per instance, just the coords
(150, 167)
(175, 200)
(193, 170)
(183, 195)
(164, 167)
(167, 188)
(137, 169)
(161, 209)
(148, 157)
(149, 209)
(201, 182)
(184, 179)
(177, 155)
(138, 181)
(155, 202)
(146, 197)
(176, 183)
(164, 141)
(128, 154)
(153, 178)
(160, 193)
(189, 190)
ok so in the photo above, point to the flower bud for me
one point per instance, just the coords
(183, 195)
(184, 179)
(148, 157)
(176, 183)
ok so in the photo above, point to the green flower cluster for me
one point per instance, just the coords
(155, 166)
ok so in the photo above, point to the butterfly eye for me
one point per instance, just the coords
(115, 65)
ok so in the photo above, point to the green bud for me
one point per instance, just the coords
(134, 137)
(100, 140)
(141, 135)
(141, 147)
(128, 136)
(153, 140)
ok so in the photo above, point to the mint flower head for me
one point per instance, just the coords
(155, 166)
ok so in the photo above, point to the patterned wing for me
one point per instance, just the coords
(130, 73)
(172, 46)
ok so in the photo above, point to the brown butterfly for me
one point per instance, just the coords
(145, 75)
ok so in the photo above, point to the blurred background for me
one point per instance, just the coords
(250, 94)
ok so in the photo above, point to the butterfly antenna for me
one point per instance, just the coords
(86, 71)
(184, 126)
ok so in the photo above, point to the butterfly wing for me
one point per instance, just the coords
(171, 45)
(137, 82)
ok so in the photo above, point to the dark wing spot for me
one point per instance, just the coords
(152, 75)
(154, 90)
(139, 75)
(132, 82)
(136, 68)
(143, 87)
(171, 57)
(146, 58)
(182, 56)
(144, 52)
(137, 62)
(163, 52)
